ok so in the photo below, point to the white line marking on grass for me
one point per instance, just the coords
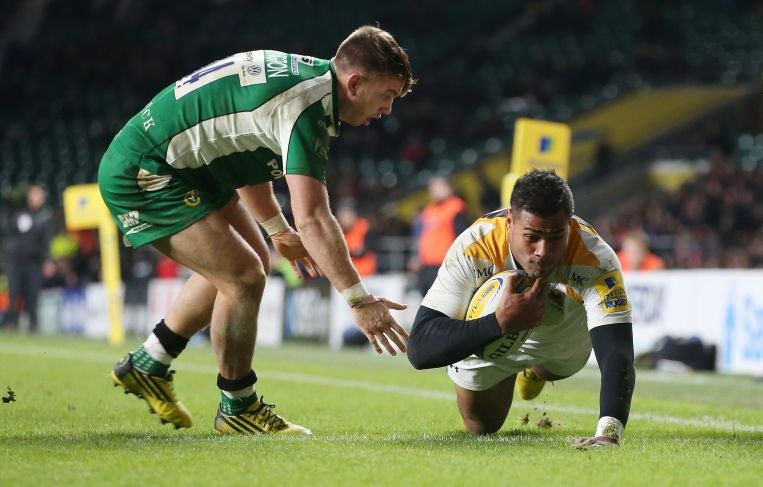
(95, 357)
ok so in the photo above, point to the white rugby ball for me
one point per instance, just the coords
(485, 301)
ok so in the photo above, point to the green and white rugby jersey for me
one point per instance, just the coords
(247, 119)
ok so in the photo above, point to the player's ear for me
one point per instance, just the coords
(353, 81)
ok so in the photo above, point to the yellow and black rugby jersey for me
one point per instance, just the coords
(588, 277)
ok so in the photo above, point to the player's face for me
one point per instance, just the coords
(538, 243)
(369, 97)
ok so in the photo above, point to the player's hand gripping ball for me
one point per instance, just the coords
(485, 301)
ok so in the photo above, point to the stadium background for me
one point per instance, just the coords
(663, 99)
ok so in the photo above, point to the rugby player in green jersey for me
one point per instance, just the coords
(192, 172)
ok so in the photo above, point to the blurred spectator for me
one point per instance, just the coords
(28, 232)
(635, 254)
(60, 271)
(438, 225)
(547, 60)
(714, 221)
(357, 232)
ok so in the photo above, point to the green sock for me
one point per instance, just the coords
(142, 361)
(232, 406)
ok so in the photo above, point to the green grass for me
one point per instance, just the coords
(376, 421)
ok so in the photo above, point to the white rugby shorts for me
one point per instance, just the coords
(563, 349)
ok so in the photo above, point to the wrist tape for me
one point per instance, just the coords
(275, 225)
(355, 294)
(609, 426)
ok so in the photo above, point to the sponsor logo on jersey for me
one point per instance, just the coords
(148, 119)
(252, 68)
(192, 198)
(578, 279)
(486, 272)
(297, 59)
(275, 169)
(276, 65)
(294, 66)
(307, 60)
(611, 290)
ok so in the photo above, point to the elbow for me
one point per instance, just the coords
(306, 222)
(307, 216)
(415, 355)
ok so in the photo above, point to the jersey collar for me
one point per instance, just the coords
(332, 118)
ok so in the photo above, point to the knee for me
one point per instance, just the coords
(249, 281)
(481, 426)
(254, 279)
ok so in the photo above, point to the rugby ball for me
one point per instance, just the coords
(485, 301)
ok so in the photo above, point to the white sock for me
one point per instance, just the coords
(240, 394)
(154, 348)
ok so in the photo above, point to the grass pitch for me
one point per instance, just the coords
(375, 420)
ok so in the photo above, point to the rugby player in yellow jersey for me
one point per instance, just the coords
(578, 302)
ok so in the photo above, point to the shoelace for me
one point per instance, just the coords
(271, 418)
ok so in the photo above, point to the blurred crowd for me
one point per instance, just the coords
(715, 221)
(80, 68)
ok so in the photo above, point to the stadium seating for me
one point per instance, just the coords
(88, 66)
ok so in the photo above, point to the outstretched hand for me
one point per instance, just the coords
(288, 244)
(596, 441)
(378, 325)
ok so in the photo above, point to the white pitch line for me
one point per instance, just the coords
(102, 358)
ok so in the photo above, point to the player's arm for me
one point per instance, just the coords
(437, 340)
(323, 239)
(261, 203)
(304, 160)
(320, 231)
(613, 346)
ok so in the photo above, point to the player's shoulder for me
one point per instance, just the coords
(585, 240)
(490, 226)
(592, 269)
(588, 254)
(486, 239)
(283, 64)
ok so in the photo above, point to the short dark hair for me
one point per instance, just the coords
(376, 51)
(542, 193)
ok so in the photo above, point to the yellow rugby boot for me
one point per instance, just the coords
(258, 418)
(528, 385)
(157, 391)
